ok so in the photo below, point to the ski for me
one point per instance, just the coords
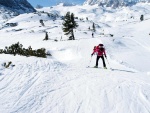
(100, 68)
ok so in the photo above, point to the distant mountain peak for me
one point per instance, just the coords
(114, 3)
(19, 6)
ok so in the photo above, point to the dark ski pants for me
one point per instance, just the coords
(97, 59)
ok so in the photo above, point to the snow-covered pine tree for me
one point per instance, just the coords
(69, 24)
(66, 23)
(74, 25)
(94, 27)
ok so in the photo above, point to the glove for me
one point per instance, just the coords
(91, 54)
(105, 56)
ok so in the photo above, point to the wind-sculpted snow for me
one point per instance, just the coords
(23, 77)
(44, 86)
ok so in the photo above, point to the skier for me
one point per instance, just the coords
(92, 35)
(100, 51)
(94, 50)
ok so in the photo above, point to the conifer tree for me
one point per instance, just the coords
(87, 18)
(142, 17)
(69, 24)
(94, 27)
(46, 36)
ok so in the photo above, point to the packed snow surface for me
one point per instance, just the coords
(62, 83)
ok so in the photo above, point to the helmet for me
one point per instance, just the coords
(101, 45)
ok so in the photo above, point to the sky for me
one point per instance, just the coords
(52, 2)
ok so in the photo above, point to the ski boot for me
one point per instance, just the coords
(95, 66)
(105, 67)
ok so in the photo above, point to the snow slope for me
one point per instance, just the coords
(63, 83)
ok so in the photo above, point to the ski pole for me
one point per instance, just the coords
(90, 61)
(107, 60)
(108, 63)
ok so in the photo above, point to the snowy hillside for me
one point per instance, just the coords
(62, 83)
(114, 3)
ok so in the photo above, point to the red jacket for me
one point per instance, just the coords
(99, 51)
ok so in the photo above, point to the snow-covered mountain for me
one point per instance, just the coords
(19, 6)
(114, 3)
(12, 8)
(62, 83)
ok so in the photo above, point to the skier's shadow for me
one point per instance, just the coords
(123, 70)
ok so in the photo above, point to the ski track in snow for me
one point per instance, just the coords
(81, 89)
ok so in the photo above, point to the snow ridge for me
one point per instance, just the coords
(114, 3)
